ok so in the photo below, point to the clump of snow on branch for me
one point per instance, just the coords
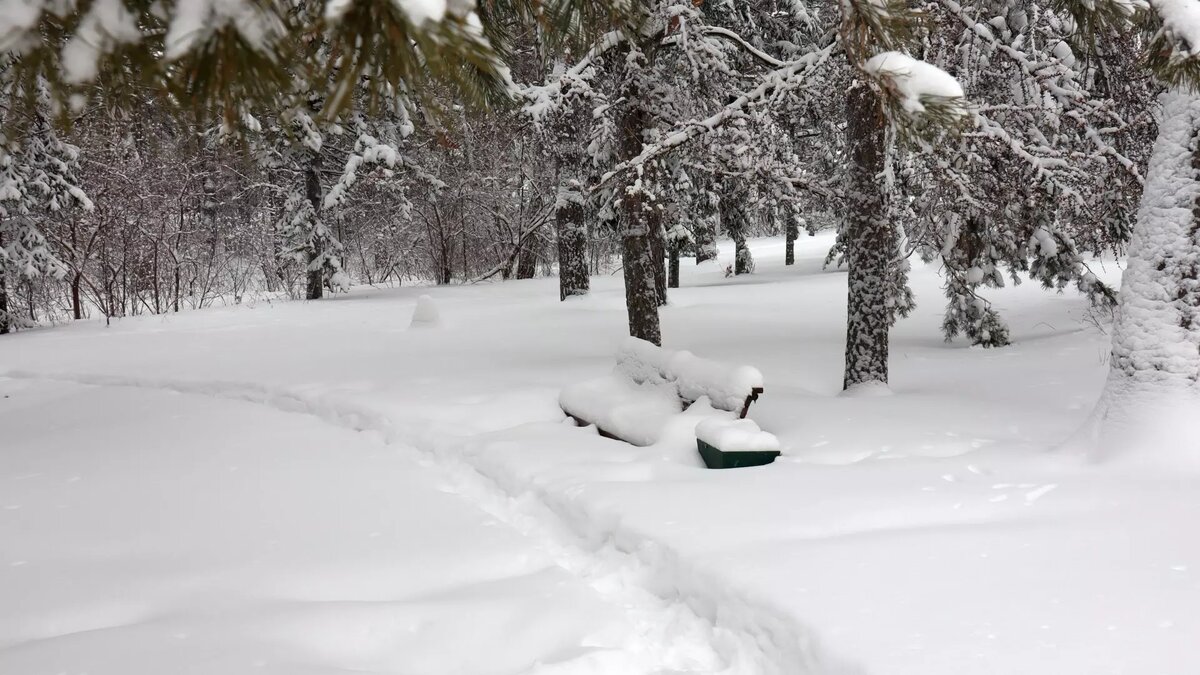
(917, 82)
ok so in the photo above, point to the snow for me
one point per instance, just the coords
(425, 313)
(936, 531)
(650, 386)
(1181, 18)
(916, 81)
(1152, 398)
(726, 386)
(735, 435)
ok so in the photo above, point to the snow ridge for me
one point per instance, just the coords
(689, 620)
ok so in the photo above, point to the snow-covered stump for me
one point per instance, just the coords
(870, 241)
(573, 278)
(1151, 401)
(425, 314)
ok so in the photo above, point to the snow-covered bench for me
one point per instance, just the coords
(650, 385)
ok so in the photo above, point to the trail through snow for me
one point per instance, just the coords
(684, 622)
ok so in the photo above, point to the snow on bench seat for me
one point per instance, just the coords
(736, 435)
(649, 385)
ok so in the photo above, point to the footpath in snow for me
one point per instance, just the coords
(933, 531)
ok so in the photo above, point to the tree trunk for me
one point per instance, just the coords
(312, 190)
(706, 226)
(658, 252)
(793, 233)
(870, 241)
(76, 296)
(735, 221)
(1151, 400)
(673, 268)
(4, 320)
(573, 278)
(641, 295)
(527, 260)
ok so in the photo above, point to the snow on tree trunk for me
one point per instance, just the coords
(1151, 401)
(870, 241)
(641, 296)
(312, 191)
(569, 220)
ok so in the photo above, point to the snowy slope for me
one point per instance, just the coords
(929, 532)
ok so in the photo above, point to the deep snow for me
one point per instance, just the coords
(932, 531)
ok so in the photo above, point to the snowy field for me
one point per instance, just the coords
(317, 488)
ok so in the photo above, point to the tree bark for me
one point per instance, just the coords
(76, 293)
(527, 260)
(573, 278)
(312, 190)
(735, 221)
(641, 296)
(706, 225)
(5, 324)
(793, 233)
(870, 241)
(673, 268)
(1152, 395)
(658, 252)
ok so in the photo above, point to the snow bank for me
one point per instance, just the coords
(916, 81)
(735, 435)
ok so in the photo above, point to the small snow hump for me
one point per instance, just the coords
(425, 314)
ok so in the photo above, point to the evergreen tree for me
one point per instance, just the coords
(38, 182)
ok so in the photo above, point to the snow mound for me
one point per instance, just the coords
(425, 314)
(916, 81)
(735, 435)
(867, 390)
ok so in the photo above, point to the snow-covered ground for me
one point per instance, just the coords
(321, 487)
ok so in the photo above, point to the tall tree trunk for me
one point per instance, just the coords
(1151, 401)
(573, 278)
(793, 233)
(641, 296)
(673, 267)
(870, 241)
(312, 190)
